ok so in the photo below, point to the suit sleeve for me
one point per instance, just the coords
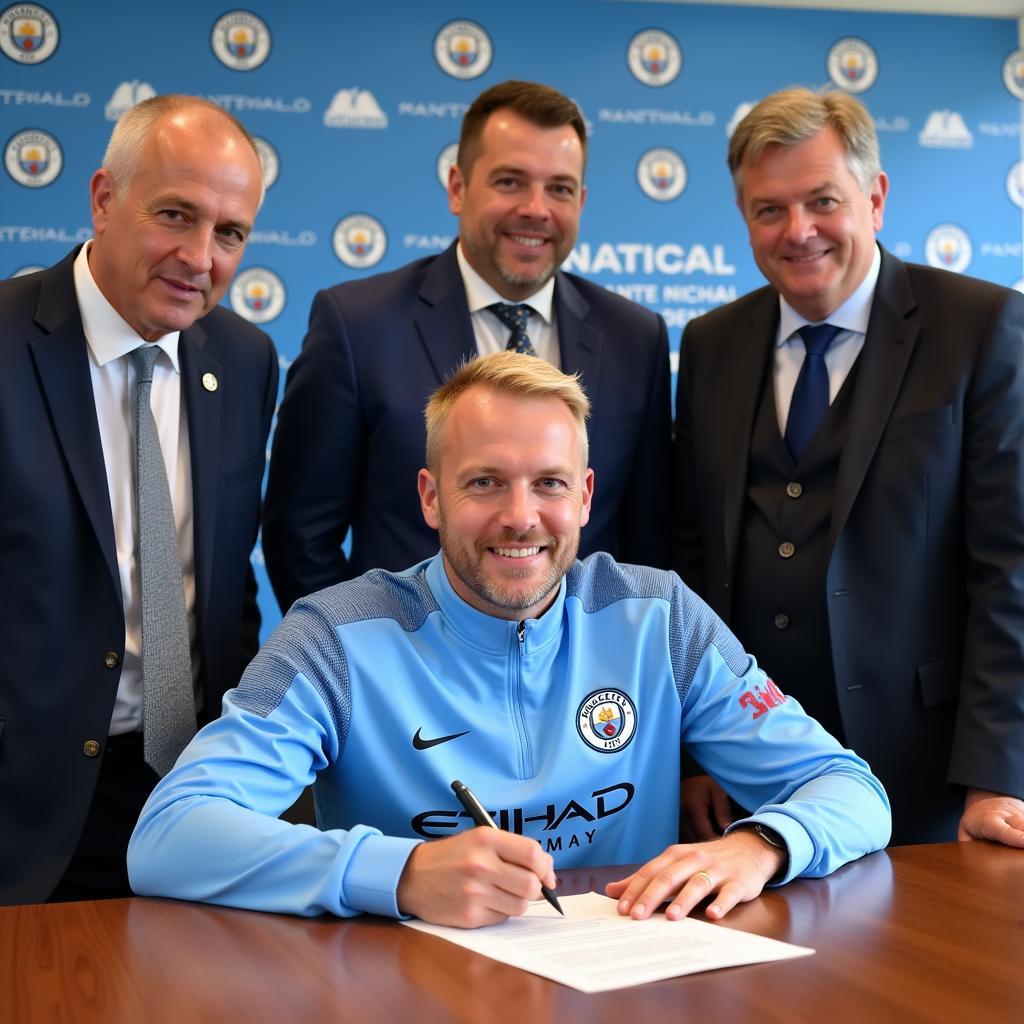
(687, 549)
(988, 744)
(250, 635)
(316, 463)
(646, 515)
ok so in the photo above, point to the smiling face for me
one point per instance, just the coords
(508, 499)
(519, 202)
(812, 227)
(167, 244)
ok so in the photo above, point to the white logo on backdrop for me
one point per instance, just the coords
(355, 108)
(945, 129)
(738, 114)
(1013, 74)
(125, 96)
(445, 161)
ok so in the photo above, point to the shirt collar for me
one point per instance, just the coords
(480, 295)
(485, 631)
(108, 335)
(852, 315)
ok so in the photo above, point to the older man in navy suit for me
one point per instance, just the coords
(103, 635)
(350, 437)
(850, 459)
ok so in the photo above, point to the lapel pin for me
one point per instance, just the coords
(210, 382)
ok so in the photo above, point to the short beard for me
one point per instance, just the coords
(536, 281)
(508, 599)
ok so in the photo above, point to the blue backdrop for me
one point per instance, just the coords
(357, 108)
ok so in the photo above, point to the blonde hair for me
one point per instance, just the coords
(795, 115)
(127, 144)
(509, 373)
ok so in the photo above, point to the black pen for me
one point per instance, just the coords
(476, 811)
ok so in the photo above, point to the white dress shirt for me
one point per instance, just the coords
(490, 333)
(110, 340)
(852, 317)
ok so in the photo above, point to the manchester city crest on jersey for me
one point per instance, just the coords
(258, 295)
(949, 247)
(360, 241)
(28, 33)
(1013, 74)
(463, 49)
(606, 720)
(654, 57)
(661, 174)
(240, 40)
(33, 158)
(852, 65)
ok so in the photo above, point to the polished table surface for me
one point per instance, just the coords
(917, 933)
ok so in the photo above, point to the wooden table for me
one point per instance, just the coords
(918, 933)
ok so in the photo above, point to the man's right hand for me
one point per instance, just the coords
(704, 809)
(478, 877)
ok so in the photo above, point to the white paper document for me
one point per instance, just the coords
(594, 949)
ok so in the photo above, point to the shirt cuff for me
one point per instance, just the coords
(793, 834)
(370, 883)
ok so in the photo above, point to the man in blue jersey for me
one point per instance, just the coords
(560, 691)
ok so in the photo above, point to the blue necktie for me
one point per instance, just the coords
(810, 396)
(515, 319)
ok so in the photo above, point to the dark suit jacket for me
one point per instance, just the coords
(350, 437)
(925, 581)
(61, 620)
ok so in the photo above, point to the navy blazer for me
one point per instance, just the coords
(61, 618)
(350, 437)
(925, 581)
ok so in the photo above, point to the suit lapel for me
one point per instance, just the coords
(203, 408)
(579, 343)
(442, 317)
(883, 363)
(62, 362)
(744, 360)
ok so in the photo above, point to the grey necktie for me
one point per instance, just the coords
(168, 703)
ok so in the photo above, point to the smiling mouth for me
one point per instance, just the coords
(529, 241)
(808, 257)
(517, 552)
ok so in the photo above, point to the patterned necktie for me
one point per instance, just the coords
(810, 396)
(168, 703)
(515, 319)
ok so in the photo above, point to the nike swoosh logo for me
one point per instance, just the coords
(421, 744)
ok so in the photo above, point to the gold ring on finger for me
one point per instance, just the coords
(706, 877)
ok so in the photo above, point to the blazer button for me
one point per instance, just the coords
(110, 659)
(787, 549)
(782, 621)
(90, 748)
(794, 490)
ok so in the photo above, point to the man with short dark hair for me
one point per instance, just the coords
(850, 468)
(349, 439)
(561, 691)
(134, 414)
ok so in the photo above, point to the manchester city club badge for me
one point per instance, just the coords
(606, 720)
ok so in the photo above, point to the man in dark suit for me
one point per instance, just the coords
(350, 437)
(850, 470)
(171, 206)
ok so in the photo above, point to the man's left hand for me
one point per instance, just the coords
(735, 867)
(989, 815)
